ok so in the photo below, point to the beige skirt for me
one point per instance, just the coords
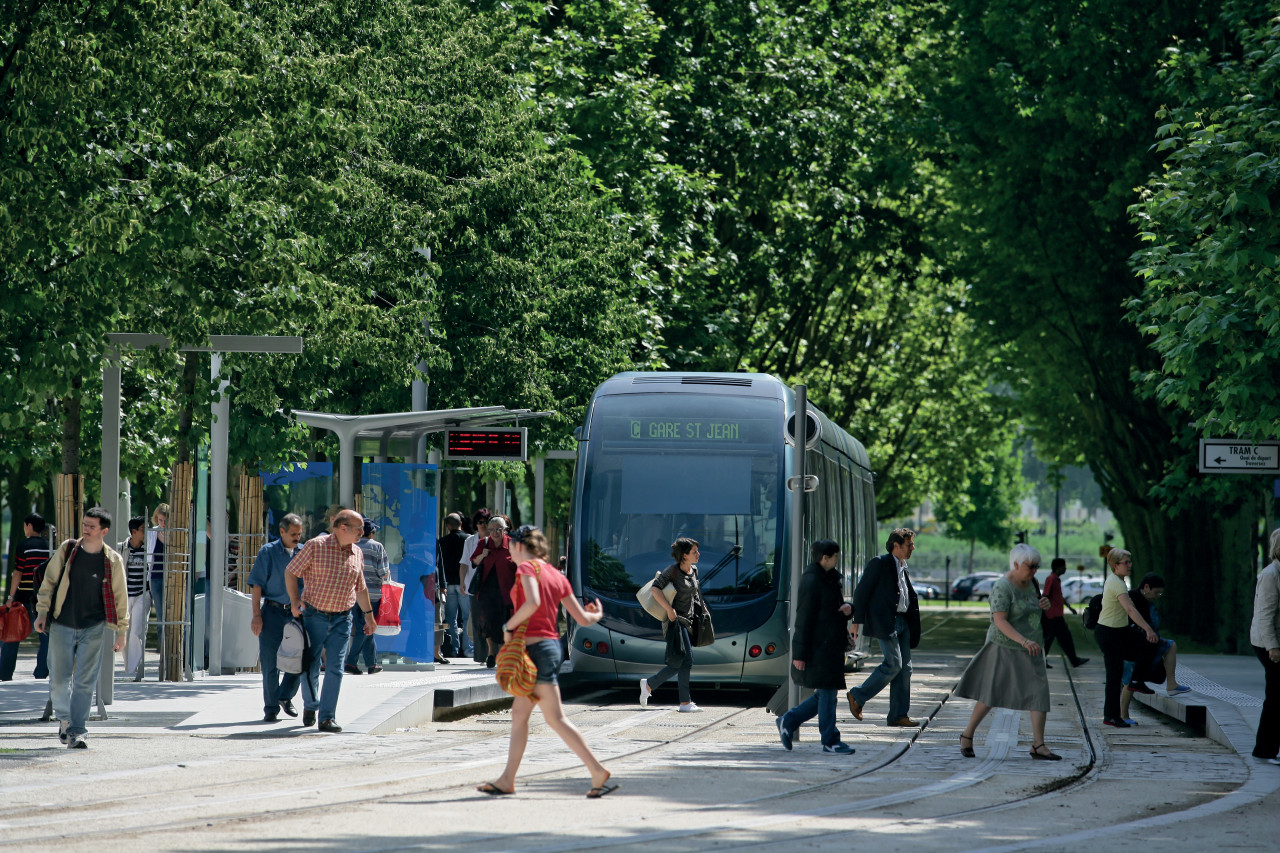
(1006, 678)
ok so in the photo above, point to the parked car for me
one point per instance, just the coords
(1079, 590)
(926, 590)
(982, 589)
(962, 589)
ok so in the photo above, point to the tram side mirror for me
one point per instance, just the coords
(813, 430)
(577, 433)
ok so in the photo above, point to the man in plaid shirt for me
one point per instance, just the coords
(332, 567)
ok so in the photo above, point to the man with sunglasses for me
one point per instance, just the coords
(332, 568)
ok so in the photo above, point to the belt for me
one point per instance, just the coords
(271, 603)
(329, 612)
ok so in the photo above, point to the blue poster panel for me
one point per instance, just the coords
(307, 488)
(401, 500)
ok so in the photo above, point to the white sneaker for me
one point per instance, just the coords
(690, 708)
(77, 742)
(63, 738)
(645, 693)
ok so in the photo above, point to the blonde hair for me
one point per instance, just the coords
(1275, 544)
(1115, 556)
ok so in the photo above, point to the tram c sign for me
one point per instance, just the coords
(812, 433)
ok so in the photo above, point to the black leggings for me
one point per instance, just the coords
(1267, 744)
(1119, 645)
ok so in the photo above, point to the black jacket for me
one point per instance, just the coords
(821, 630)
(875, 601)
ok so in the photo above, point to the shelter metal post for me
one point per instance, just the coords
(797, 532)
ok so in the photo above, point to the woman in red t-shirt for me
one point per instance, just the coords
(537, 595)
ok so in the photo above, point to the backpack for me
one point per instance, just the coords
(295, 648)
(1092, 612)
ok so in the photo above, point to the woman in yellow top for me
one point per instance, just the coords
(1117, 642)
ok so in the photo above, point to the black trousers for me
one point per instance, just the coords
(1056, 628)
(1268, 743)
(1119, 645)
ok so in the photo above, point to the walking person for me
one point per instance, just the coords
(1117, 642)
(377, 568)
(537, 597)
(83, 596)
(886, 603)
(1052, 621)
(492, 559)
(678, 660)
(24, 583)
(1264, 636)
(136, 572)
(1009, 670)
(818, 649)
(155, 547)
(332, 569)
(270, 597)
(457, 604)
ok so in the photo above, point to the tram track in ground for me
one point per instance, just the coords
(266, 792)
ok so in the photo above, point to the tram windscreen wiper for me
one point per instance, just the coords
(734, 553)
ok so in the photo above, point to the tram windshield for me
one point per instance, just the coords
(662, 466)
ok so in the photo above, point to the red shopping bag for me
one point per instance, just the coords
(16, 623)
(388, 617)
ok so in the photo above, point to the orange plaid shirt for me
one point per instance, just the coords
(332, 574)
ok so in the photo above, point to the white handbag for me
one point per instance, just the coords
(653, 608)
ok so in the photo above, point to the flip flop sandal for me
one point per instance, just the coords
(494, 791)
(597, 793)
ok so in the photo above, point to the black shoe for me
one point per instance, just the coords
(308, 717)
(490, 661)
(1079, 661)
(288, 708)
(329, 726)
(350, 669)
(1048, 665)
(271, 718)
(375, 669)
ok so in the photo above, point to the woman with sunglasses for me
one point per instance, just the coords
(539, 591)
(1117, 642)
(1008, 671)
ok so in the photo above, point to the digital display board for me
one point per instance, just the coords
(709, 430)
(487, 445)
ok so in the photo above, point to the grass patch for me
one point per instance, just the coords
(956, 630)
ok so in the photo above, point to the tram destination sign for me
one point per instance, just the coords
(685, 430)
(1239, 456)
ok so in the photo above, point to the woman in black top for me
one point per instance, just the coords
(683, 575)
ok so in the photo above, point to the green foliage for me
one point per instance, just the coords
(1210, 304)
(990, 506)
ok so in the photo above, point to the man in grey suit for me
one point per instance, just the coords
(886, 604)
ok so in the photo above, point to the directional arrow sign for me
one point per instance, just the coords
(1239, 456)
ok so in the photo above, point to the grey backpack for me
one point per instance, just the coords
(293, 648)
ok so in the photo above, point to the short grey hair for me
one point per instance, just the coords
(290, 521)
(1275, 545)
(1022, 553)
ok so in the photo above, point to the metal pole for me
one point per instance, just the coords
(797, 531)
(219, 434)
(1057, 521)
(110, 501)
(540, 493)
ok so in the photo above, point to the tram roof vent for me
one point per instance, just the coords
(674, 379)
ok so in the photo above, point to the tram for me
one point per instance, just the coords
(703, 455)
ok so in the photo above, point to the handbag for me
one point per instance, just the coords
(388, 617)
(704, 631)
(653, 608)
(515, 671)
(15, 623)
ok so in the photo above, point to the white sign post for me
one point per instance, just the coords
(1239, 456)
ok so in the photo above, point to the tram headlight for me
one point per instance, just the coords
(755, 651)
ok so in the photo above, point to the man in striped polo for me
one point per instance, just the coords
(332, 568)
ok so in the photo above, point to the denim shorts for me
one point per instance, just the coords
(547, 657)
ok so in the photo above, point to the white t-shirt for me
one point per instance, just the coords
(468, 550)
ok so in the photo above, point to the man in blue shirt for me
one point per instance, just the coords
(271, 614)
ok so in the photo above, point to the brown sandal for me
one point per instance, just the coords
(967, 751)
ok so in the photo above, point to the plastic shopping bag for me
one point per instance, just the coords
(388, 617)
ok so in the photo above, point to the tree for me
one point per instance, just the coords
(989, 509)
(1042, 114)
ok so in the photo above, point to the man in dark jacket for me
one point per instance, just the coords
(886, 604)
(818, 649)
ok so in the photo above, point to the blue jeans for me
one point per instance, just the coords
(360, 641)
(330, 633)
(75, 658)
(457, 610)
(821, 704)
(894, 670)
(277, 686)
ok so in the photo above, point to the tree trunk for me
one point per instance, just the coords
(71, 430)
(18, 497)
(190, 367)
(973, 546)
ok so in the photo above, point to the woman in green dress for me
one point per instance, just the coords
(1009, 670)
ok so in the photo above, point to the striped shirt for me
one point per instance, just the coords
(333, 574)
(135, 567)
(32, 556)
